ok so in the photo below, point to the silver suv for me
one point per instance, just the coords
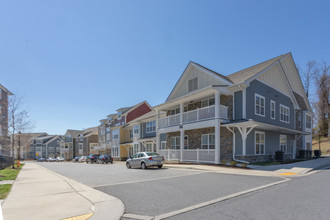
(145, 160)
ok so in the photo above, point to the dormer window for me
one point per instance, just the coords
(119, 115)
(192, 84)
(109, 119)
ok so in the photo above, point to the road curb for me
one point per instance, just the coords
(104, 206)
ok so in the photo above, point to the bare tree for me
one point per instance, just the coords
(18, 122)
(308, 75)
(323, 104)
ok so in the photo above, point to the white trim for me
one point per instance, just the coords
(255, 144)
(289, 111)
(255, 104)
(272, 101)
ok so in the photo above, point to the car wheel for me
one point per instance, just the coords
(111, 162)
(128, 165)
(143, 166)
(160, 166)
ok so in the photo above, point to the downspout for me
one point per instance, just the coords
(234, 147)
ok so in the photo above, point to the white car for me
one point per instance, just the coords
(145, 160)
(51, 159)
(59, 159)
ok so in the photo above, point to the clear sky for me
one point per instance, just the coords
(74, 62)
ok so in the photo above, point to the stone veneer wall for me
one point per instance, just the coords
(261, 158)
(227, 100)
(194, 140)
(226, 144)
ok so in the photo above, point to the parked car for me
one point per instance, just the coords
(92, 158)
(145, 160)
(76, 159)
(41, 159)
(104, 159)
(83, 159)
(51, 159)
(59, 159)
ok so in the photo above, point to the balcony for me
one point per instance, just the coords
(200, 114)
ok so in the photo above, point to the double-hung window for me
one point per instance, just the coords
(285, 113)
(175, 143)
(259, 105)
(259, 143)
(272, 109)
(208, 141)
(151, 126)
(283, 145)
(308, 121)
(136, 129)
(163, 145)
(299, 120)
(131, 134)
(150, 147)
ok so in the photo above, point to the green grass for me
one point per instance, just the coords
(10, 173)
(325, 145)
(4, 190)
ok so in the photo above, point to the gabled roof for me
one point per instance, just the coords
(301, 101)
(218, 74)
(245, 74)
(54, 138)
(6, 90)
(212, 73)
(74, 133)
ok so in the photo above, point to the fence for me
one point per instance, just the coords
(6, 162)
(192, 155)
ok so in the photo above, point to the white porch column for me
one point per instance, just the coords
(244, 102)
(245, 131)
(157, 132)
(181, 143)
(217, 104)
(181, 113)
(217, 141)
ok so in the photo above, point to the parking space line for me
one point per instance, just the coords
(203, 204)
(147, 180)
(141, 217)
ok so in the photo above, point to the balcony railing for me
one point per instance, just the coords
(200, 114)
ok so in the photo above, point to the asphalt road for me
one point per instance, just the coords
(300, 198)
(154, 192)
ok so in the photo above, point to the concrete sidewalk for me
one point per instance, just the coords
(298, 168)
(39, 193)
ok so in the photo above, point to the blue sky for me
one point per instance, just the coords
(74, 62)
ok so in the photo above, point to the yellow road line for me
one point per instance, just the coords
(80, 217)
(287, 174)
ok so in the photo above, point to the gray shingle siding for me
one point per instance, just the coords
(272, 142)
(144, 132)
(238, 105)
(256, 87)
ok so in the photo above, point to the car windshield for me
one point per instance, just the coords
(152, 154)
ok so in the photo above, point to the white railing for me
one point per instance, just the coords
(193, 155)
(169, 121)
(170, 154)
(194, 116)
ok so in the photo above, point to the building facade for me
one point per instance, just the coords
(4, 138)
(245, 116)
